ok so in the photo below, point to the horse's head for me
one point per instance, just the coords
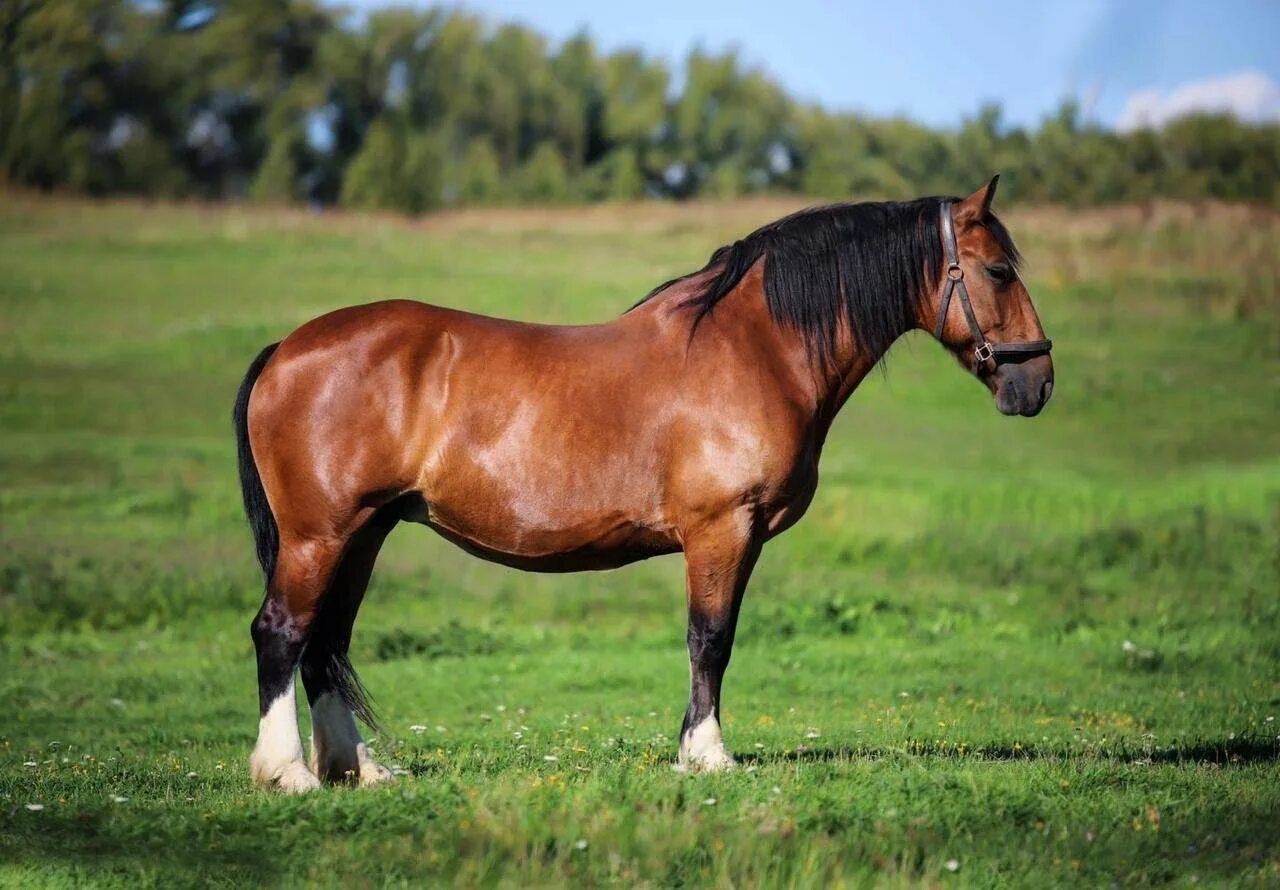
(982, 312)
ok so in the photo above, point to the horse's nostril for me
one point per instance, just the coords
(1046, 390)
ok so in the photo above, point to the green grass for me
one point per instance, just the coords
(995, 652)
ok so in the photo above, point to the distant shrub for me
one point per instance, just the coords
(422, 176)
(626, 178)
(543, 179)
(277, 177)
(41, 595)
(374, 178)
(477, 177)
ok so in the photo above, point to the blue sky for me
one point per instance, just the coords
(939, 61)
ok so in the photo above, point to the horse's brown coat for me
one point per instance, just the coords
(560, 448)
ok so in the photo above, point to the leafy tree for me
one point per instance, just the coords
(13, 15)
(410, 109)
(578, 119)
(635, 97)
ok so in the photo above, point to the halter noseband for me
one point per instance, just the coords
(986, 350)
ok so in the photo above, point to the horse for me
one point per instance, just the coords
(691, 423)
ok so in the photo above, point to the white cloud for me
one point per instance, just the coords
(1249, 95)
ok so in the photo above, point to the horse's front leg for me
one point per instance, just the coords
(719, 557)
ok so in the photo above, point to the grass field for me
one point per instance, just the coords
(997, 652)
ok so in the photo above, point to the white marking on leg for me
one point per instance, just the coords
(338, 753)
(277, 758)
(702, 748)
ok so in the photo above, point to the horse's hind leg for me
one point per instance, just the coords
(280, 631)
(338, 752)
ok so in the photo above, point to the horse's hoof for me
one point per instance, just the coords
(297, 779)
(706, 762)
(357, 767)
(331, 770)
(374, 773)
(292, 778)
(702, 749)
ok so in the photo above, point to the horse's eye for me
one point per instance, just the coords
(1000, 273)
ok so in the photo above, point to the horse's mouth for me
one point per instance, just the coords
(1015, 398)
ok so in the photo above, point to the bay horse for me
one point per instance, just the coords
(692, 423)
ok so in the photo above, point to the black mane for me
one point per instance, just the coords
(869, 264)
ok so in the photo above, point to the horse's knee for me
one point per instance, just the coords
(278, 638)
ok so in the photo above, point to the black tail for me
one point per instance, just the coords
(266, 536)
(339, 675)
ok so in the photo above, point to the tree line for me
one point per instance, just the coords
(411, 110)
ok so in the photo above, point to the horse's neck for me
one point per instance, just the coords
(745, 315)
(847, 370)
(834, 387)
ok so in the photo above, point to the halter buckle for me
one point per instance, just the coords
(984, 353)
(954, 272)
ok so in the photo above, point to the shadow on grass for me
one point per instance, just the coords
(1231, 752)
(170, 852)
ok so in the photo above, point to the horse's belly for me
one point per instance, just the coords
(581, 559)
(542, 542)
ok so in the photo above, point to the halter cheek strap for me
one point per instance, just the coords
(986, 350)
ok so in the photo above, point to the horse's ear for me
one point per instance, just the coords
(976, 207)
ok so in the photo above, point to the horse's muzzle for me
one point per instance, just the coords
(1024, 388)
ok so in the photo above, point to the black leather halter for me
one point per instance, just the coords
(986, 350)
